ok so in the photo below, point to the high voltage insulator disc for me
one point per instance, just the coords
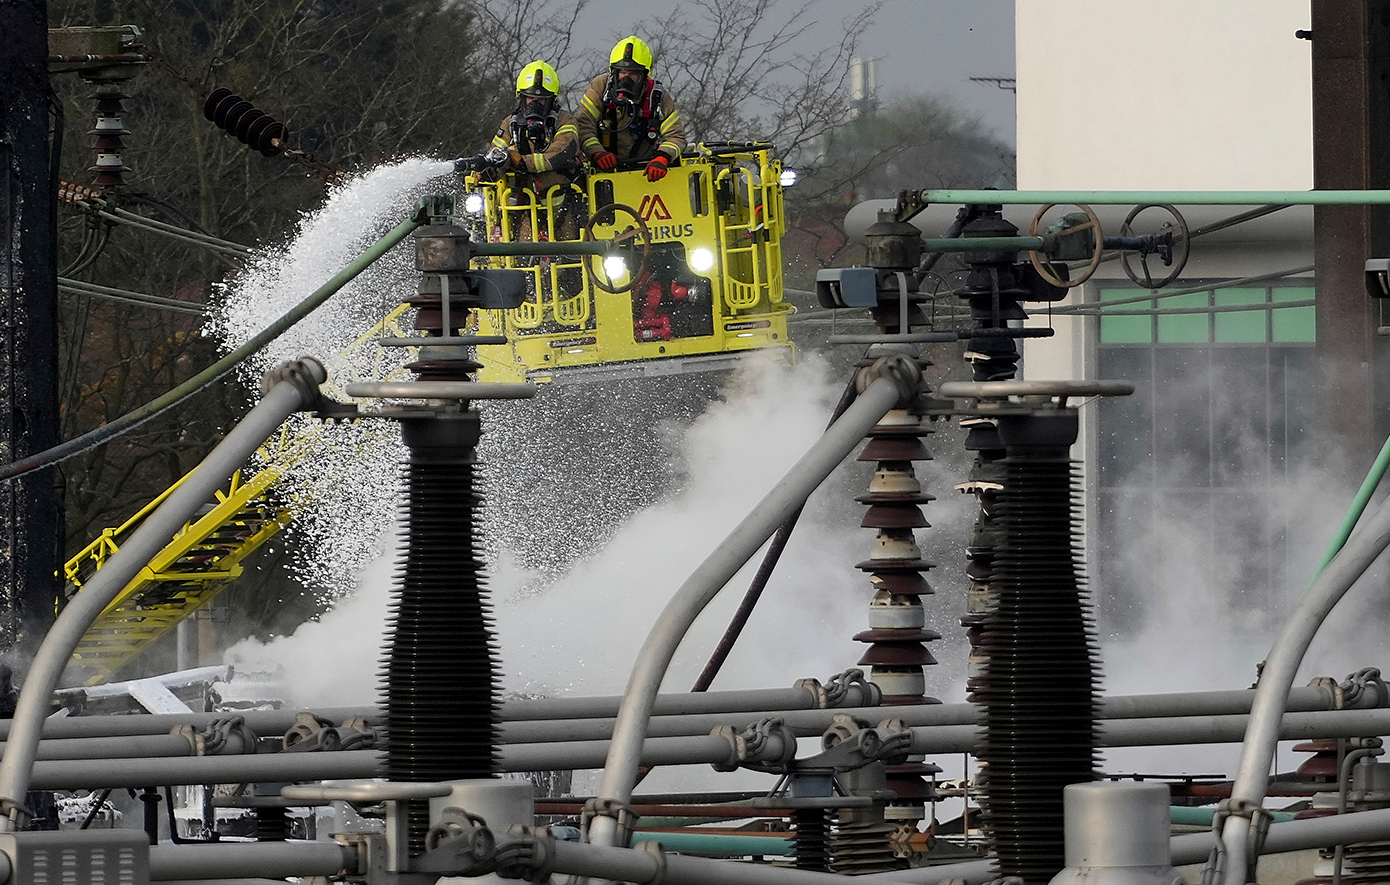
(251, 125)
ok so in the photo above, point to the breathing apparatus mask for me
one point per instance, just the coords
(533, 113)
(629, 81)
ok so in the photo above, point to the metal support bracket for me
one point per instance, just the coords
(620, 812)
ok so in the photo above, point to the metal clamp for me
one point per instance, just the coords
(306, 373)
(18, 813)
(1260, 819)
(528, 855)
(852, 688)
(620, 812)
(656, 850)
(902, 371)
(766, 745)
(215, 738)
(310, 733)
(1362, 684)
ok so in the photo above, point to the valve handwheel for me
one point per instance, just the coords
(639, 230)
(1177, 259)
(1044, 264)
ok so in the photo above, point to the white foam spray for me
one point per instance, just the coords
(348, 472)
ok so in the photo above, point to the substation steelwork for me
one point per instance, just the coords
(428, 761)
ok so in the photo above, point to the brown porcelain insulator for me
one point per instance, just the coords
(895, 448)
(894, 516)
(901, 583)
(894, 565)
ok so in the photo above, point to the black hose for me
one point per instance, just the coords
(96, 809)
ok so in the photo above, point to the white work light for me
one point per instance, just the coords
(614, 266)
(473, 204)
(788, 177)
(701, 260)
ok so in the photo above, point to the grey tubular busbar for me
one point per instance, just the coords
(564, 719)
(807, 723)
(1361, 549)
(629, 729)
(286, 397)
(256, 860)
(262, 722)
(688, 750)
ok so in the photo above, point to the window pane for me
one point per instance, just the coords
(1126, 330)
(1244, 326)
(1185, 328)
(1294, 323)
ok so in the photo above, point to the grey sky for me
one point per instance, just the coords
(923, 46)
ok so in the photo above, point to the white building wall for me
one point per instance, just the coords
(1185, 94)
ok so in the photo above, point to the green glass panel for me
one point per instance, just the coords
(1298, 324)
(1245, 326)
(1126, 329)
(1184, 328)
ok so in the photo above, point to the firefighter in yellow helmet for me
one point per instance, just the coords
(538, 140)
(627, 115)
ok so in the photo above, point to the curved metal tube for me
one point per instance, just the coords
(1278, 675)
(281, 401)
(630, 728)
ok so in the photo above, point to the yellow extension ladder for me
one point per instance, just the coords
(207, 554)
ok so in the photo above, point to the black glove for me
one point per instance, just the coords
(481, 162)
(464, 165)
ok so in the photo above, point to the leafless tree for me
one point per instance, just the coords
(740, 71)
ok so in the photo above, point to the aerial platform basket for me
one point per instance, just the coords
(700, 282)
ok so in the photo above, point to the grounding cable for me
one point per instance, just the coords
(1104, 307)
(214, 372)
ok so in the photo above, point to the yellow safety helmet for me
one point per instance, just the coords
(538, 75)
(631, 51)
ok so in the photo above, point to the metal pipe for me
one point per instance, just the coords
(692, 750)
(1186, 730)
(720, 844)
(629, 730)
(168, 771)
(808, 723)
(590, 718)
(587, 247)
(1343, 787)
(256, 860)
(988, 244)
(1358, 506)
(795, 698)
(679, 750)
(1280, 668)
(259, 721)
(282, 400)
(1179, 198)
(642, 867)
(125, 747)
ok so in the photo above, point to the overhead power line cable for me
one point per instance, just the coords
(78, 287)
(212, 373)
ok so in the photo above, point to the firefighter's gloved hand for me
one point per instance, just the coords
(606, 160)
(656, 168)
(514, 156)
